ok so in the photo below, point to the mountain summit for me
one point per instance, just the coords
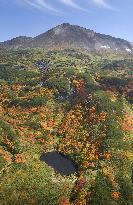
(66, 35)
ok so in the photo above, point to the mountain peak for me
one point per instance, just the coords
(65, 24)
(72, 36)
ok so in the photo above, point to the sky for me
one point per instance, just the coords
(33, 17)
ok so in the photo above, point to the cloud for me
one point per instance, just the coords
(41, 4)
(33, 4)
(102, 3)
(72, 4)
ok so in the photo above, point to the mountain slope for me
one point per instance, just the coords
(17, 43)
(72, 102)
(67, 35)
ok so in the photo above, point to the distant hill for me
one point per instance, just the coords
(16, 43)
(66, 35)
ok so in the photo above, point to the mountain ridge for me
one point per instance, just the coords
(68, 35)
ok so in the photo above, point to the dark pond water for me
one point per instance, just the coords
(60, 162)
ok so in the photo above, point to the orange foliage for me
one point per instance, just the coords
(79, 85)
(8, 142)
(78, 139)
(5, 156)
(116, 195)
(64, 201)
(19, 159)
(127, 123)
(107, 155)
(48, 125)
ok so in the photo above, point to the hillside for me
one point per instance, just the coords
(71, 36)
(77, 103)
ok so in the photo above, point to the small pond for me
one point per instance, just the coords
(60, 162)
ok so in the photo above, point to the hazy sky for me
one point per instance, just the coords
(32, 17)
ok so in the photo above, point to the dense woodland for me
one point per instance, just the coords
(77, 103)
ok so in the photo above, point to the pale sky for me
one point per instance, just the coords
(32, 17)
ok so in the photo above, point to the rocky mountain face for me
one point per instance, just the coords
(66, 35)
(16, 43)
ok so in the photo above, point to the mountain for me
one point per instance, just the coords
(66, 35)
(16, 43)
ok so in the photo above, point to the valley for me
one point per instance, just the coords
(75, 102)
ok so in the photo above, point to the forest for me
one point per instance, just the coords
(78, 103)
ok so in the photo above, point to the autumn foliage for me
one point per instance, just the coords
(74, 111)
